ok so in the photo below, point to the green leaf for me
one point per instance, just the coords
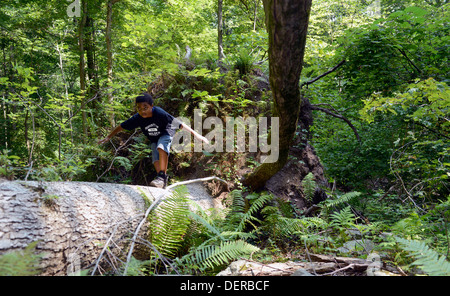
(426, 259)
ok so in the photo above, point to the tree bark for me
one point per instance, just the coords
(82, 65)
(89, 36)
(220, 29)
(287, 24)
(74, 223)
(71, 220)
(109, 12)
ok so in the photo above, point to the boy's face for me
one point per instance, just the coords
(144, 109)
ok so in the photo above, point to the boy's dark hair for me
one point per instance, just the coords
(145, 98)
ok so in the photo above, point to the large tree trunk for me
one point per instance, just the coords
(71, 220)
(82, 66)
(109, 59)
(89, 37)
(287, 24)
(220, 29)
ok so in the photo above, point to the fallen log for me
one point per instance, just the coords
(337, 259)
(71, 221)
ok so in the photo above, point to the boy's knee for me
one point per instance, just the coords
(160, 150)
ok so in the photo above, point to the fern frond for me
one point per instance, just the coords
(339, 200)
(209, 225)
(21, 262)
(343, 218)
(213, 255)
(256, 205)
(314, 222)
(237, 234)
(238, 204)
(309, 186)
(259, 202)
(426, 258)
(241, 213)
(169, 222)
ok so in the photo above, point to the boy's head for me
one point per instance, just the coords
(144, 104)
(145, 98)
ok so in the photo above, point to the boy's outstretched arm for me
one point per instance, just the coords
(117, 130)
(197, 135)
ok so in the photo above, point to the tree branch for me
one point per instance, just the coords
(355, 131)
(324, 74)
(133, 240)
(197, 180)
(409, 60)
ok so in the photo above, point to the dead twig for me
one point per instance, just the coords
(340, 269)
(196, 180)
(324, 74)
(337, 115)
(138, 228)
(109, 240)
(115, 154)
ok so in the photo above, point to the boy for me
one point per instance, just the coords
(159, 127)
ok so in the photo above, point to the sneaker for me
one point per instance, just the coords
(160, 181)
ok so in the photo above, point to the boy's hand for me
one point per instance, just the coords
(103, 141)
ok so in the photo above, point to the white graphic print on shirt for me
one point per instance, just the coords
(152, 130)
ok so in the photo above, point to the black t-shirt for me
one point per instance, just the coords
(161, 123)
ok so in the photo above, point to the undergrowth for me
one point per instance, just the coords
(185, 239)
(265, 228)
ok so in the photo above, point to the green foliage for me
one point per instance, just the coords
(424, 101)
(243, 209)
(20, 263)
(423, 153)
(218, 241)
(8, 164)
(322, 233)
(195, 240)
(169, 222)
(337, 200)
(343, 219)
(309, 186)
(396, 63)
(211, 256)
(426, 258)
(393, 88)
(244, 63)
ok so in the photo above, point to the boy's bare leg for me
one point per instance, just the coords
(161, 166)
(156, 164)
(163, 161)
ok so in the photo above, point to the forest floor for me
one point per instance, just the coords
(307, 264)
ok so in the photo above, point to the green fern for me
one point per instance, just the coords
(281, 227)
(340, 200)
(314, 222)
(169, 222)
(242, 213)
(238, 202)
(223, 242)
(342, 219)
(427, 259)
(309, 186)
(256, 204)
(210, 256)
(21, 263)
